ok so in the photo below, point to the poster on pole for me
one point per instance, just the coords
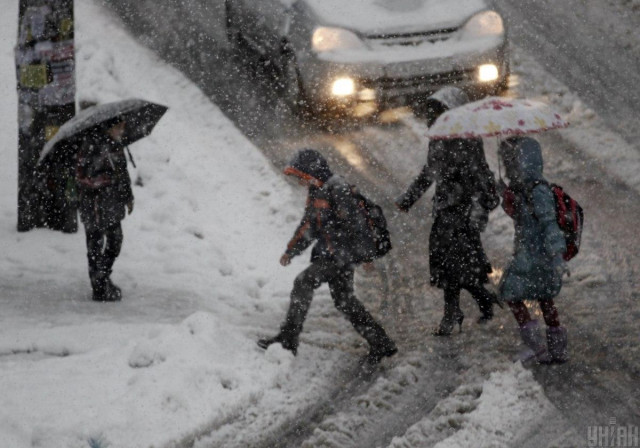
(45, 72)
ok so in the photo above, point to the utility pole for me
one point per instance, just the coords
(45, 69)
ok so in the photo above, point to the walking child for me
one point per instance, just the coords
(326, 221)
(536, 269)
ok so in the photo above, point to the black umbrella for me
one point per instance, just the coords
(140, 116)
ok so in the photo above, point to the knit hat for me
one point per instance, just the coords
(309, 163)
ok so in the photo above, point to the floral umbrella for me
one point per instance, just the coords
(495, 117)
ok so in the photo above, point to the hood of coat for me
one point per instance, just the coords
(309, 163)
(522, 157)
(449, 97)
(443, 100)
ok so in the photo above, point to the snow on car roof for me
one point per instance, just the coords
(389, 16)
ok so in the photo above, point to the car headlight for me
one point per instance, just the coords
(343, 87)
(484, 24)
(488, 73)
(330, 39)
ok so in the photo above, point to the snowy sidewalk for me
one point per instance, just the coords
(198, 270)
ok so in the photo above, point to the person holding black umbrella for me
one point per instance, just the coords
(104, 191)
(98, 136)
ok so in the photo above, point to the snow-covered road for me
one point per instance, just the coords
(592, 46)
(594, 161)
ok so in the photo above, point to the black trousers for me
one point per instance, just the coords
(480, 294)
(340, 282)
(103, 247)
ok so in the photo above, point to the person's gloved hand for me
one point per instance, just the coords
(285, 259)
(402, 205)
(130, 206)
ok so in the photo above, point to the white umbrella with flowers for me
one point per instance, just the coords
(496, 117)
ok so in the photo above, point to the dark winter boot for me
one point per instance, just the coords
(288, 343)
(380, 344)
(485, 300)
(487, 315)
(557, 344)
(452, 313)
(381, 350)
(113, 292)
(99, 287)
(448, 322)
(533, 339)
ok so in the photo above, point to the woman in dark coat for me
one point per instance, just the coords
(465, 193)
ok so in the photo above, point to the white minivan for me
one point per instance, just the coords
(361, 55)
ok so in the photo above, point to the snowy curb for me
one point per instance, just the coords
(489, 414)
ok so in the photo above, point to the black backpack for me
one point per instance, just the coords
(378, 235)
(363, 233)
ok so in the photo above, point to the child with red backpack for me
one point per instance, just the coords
(541, 246)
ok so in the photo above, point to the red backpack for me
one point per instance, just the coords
(569, 216)
(570, 219)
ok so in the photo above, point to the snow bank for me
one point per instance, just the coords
(198, 270)
(492, 414)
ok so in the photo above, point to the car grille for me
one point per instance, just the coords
(410, 39)
(417, 83)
